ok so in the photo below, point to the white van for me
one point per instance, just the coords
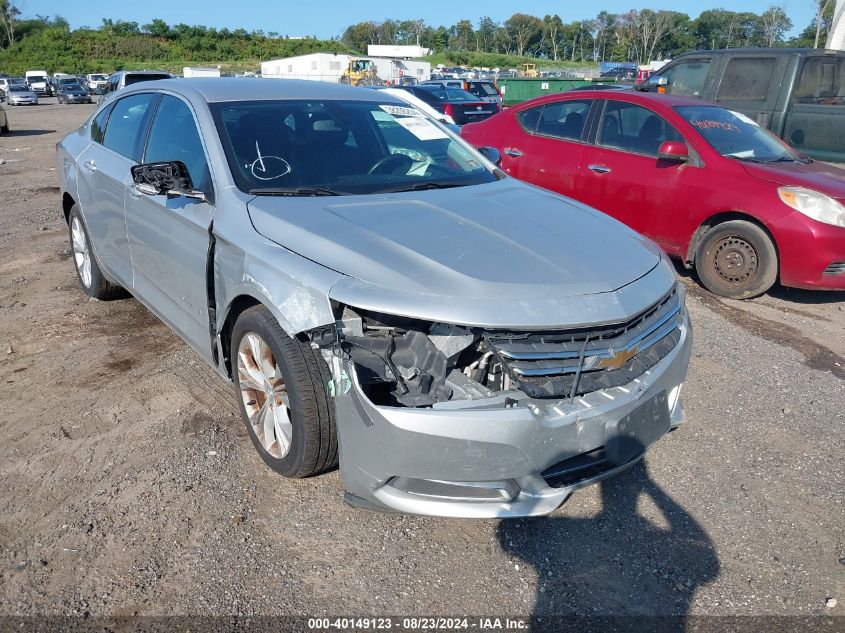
(39, 82)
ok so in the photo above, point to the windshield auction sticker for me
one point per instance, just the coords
(422, 128)
(401, 111)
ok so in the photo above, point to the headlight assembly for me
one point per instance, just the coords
(814, 205)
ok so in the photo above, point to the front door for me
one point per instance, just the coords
(169, 236)
(622, 176)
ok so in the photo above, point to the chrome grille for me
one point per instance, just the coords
(550, 364)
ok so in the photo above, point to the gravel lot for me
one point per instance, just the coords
(129, 485)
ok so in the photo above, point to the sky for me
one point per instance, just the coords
(327, 18)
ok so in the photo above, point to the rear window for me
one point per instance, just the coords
(134, 79)
(482, 89)
(822, 82)
(747, 79)
(449, 94)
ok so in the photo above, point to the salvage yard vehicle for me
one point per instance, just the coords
(20, 95)
(458, 104)
(797, 93)
(713, 188)
(380, 293)
(4, 121)
(96, 82)
(123, 78)
(70, 91)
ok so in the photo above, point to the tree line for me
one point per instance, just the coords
(633, 36)
(637, 36)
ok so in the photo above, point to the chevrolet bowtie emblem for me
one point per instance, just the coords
(619, 359)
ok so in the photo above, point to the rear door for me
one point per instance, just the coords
(548, 151)
(103, 173)
(815, 119)
(169, 235)
(621, 175)
(750, 83)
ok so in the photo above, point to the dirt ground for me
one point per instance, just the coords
(129, 485)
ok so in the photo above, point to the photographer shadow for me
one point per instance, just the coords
(618, 562)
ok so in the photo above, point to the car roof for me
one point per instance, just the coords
(634, 96)
(217, 89)
(767, 51)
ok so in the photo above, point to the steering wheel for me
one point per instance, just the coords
(398, 160)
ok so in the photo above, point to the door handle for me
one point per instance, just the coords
(600, 169)
(90, 165)
(512, 151)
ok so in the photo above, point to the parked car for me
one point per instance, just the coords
(375, 288)
(458, 104)
(415, 101)
(4, 121)
(124, 78)
(70, 91)
(798, 94)
(96, 82)
(20, 95)
(714, 189)
(5, 82)
(483, 89)
(623, 74)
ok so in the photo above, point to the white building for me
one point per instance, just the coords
(330, 67)
(396, 51)
(836, 39)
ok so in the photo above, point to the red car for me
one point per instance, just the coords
(709, 185)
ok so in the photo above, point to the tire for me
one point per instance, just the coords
(737, 259)
(91, 279)
(296, 435)
(4, 129)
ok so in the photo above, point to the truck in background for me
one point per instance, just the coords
(187, 71)
(96, 82)
(39, 82)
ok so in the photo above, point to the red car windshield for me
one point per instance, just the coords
(734, 135)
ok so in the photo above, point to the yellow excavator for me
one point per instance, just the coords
(361, 72)
(530, 71)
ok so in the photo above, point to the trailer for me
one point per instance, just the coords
(333, 68)
(187, 71)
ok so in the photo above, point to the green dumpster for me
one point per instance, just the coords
(516, 91)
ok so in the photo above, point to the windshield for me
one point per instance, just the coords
(341, 147)
(36, 78)
(99, 77)
(17, 88)
(734, 135)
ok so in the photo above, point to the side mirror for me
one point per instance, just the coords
(674, 151)
(169, 178)
(491, 154)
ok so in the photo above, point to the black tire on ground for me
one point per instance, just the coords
(737, 259)
(313, 446)
(4, 129)
(99, 287)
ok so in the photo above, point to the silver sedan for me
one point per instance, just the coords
(20, 95)
(380, 294)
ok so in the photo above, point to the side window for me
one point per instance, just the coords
(747, 79)
(174, 136)
(529, 118)
(634, 129)
(564, 119)
(98, 125)
(127, 123)
(687, 78)
(822, 82)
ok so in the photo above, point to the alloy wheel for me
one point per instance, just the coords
(264, 393)
(81, 253)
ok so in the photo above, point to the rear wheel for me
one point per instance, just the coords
(737, 259)
(88, 271)
(281, 384)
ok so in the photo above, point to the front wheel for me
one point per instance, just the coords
(737, 259)
(281, 384)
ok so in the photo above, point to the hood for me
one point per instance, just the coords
(499, 242)
(819, 176)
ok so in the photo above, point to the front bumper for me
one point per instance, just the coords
(78, 98)
(807, 250)
(483, 458)
(23, 101)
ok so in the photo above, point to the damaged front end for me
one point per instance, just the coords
(454, 420)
